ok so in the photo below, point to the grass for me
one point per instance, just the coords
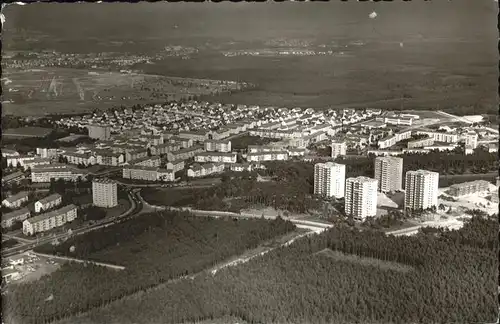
(24, 132)
(364, 261)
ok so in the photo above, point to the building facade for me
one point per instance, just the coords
(361, 197)
(99, 132)
(104, 193)
(421, 189)
(329, 179)
(50, 220)
(19, 215)
(48, 202)
(218, 146)
(469, 188)
(15, 201)
(389, 173)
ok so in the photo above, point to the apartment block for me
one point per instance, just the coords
(140, 173)
(389, 173)
(469, 188)
(19, 215)
(48, 202)
(440, 137)
(421, 189)
(99, 132)
(164, 148)
(471, 139)
(153, 161)
(216, 157)
(267, 156)
(217, 146)
(15, 201)
(175, 165)
(329, 179)
(50, 220)
(104, 193)
(44, 174)
(184, 154)
(46, 152)
(428, 141)
(338, 149)
(198, 170)
(361, 197)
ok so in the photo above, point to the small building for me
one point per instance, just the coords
(48, 202)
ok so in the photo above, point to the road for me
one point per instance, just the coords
(135, 208)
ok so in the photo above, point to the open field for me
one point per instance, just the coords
(64, 90)
(25, 132)
(365, 261)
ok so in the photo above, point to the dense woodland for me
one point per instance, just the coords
(154, 248)
(452, 279)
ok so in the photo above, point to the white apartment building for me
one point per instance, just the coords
(389, 173)
(267, 156)
(52, 219)
(35, 162)
(165, 174)
(339, 149)
(99, 132)
(216, 157)
(104, 193)
(471, 140)
(8, 219)
(420, 142)
(217, 146)
(48, 202)
(440, 137)
(13, 161)
(329, 179)
(80, 158)
(44, 174)
(421, 189)
(361, 197)
(46, 152)
(205, 169)
(15, 201)
(175, 165)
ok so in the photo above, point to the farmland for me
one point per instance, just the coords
(52, 90)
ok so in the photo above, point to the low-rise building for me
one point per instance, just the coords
(218, 146)
(140, 173)
(13, 177)
(175, 166)
(184, 154)
(216, 157)
(46, 152)
(37, 161)
(240, 167)
(339, 149)
(439, 136)
(15, 201)
(50, 220)
(267, 156)
(181, 141)
(20, 160)
(136, 154)
(79, 158)
(19, 215)
(422, 142)
(45, 173)
(48, 202)
(9, 153)
(198, 170)
(196, 136)
(165, 148)
(165, 175)
(468, 188)
(153, 161)
(108, 157)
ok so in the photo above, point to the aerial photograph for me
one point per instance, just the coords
(250, 163)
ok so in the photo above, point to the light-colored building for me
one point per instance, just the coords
(9, 153)
(216, 157)
(136, 154)
(428, 141)
(218, 146)
(44, 174)
(361, 197)
(440, 137)
(13, 177)
(339, 149)
(15, 201)
(108, 157)
(389, 173)
(48, 202)
(165, 175)
(46, 152)
(104, 193)
(140, 173)
(329, 179)
(184, 154)
(471, 139)
(99, 132)
(37, 161)
(14, 161)
(80, 158)
(468, 188)
(198, 170)
(50, 220)
(175, 166)
(153, 161)
(267, 156)
(164, 148)
(19, 215)
(421, 189)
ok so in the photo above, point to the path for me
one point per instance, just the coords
(108, 265)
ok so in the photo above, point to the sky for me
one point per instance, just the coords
(457, 19)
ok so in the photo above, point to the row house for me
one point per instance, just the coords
(164, 148)
(175, 166)
(267, 156)
(440, 137)
(19, 215)
(216, 157)
(421, 142)
(50, 220)
(217, 146)
(80, 158)
(198, 170)
(136, 154)
(107, 157)
(15, 201)
(182, 142)
(184, 154)
(153, 161)
(48, 202)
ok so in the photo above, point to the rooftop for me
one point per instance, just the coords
(17, 196)
(50, 198)
(51, 214)
(15, 213)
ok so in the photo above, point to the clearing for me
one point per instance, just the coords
(365, 261)
(24, 132)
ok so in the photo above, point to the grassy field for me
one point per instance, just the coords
(65, 90)
(25, 132)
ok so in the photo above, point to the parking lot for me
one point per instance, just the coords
(28, 267)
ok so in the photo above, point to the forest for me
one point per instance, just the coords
(452, 279)
(154, 248)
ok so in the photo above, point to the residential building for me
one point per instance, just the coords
(37, 161)
(198, 170)
(80, 158)
(296, 152)
(175, 166)
(216, 157)
(389, 173)
(9, 153)
(196, 136)
(267, 156)
(471, 139)
(181, 141)
(468, 188)
(468, 150)
(50, 220)
(8, 219)
(99, 132)
(440, 137)
(218, 146)
(45, 173)
(165, 175)
(428, 141)
(184, 154)
(164, 148)
(421, 189)
(240, 167)
(46, 152)
(136, 154)
(361, 197)
(338, 149)
(153, 161)
(14, 161)
(104, 193)
(329, 179)
(13, 177)
(15, 201)
(48, 202)
(140, 173)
